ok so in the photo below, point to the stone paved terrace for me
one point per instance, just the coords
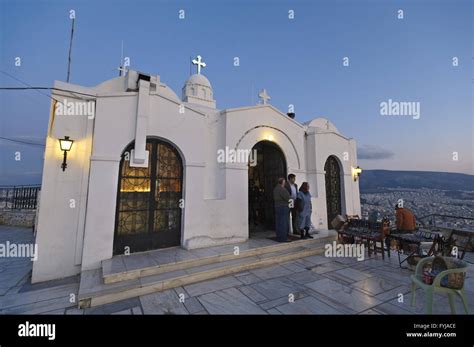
(318, 284)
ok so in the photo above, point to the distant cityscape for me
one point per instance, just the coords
(423, 202)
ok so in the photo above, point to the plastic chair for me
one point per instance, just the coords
(430, 289)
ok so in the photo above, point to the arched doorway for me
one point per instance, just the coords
(333, 188)
(270, 165)
(148, 214)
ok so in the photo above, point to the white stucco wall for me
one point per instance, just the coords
(329, 143)
(61, 215)
(114, 131)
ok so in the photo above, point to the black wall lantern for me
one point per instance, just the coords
(65, 145)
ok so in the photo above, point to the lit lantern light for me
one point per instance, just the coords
(356, 173)
(65, 145)
(270, 138)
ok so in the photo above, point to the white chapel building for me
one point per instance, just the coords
(145, 171)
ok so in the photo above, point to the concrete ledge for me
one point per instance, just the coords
(19, 218)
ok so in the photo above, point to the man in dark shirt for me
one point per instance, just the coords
(292, 188)
(281, 199)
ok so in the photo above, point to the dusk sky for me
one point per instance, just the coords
(298, 61)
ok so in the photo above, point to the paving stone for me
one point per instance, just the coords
(68, 282)
(271, 272)
(4, 288)
(273, 311)
(294, 266)
(304, 277)
(388, 308)
(393, 293)
(75, 311)
(58, 312)
(181, 290)
(398, 275)
(229, 301)
(317, 259)
(113, 307)
(274, 303)
(171, 255)
(138, 261)
(252, 294)
(351, 275)
(376, 285)
(326, 267)
(35, 296)
(166, 302)
(40, 306)
(361, 267)
(350, 261)
(307, 305)
(340, 294)
(277, 287)
(204, 252)
(247, 278)
(211, 285)
(193, 305)
(267, 305)
(137, 310)
(370, 311)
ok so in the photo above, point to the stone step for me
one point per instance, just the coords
(94, 292)
(123, 267)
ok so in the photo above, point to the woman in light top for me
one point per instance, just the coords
(305, 209)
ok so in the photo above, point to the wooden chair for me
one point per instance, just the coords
(461, 239)
(372, 235)
(421, 244)
(346, 230)
(377, 236)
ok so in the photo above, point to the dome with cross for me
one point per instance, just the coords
(200, 80)
(198, 89)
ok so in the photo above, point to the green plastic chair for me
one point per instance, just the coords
(430, 289)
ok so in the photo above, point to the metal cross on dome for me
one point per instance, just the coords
(200, 64)
(264, 96)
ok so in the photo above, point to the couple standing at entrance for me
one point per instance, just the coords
(289, 202)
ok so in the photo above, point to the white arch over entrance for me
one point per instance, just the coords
(269, 133)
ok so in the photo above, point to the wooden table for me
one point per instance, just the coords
(417, 238)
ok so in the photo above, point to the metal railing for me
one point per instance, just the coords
(19, 197)
(430, 220)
